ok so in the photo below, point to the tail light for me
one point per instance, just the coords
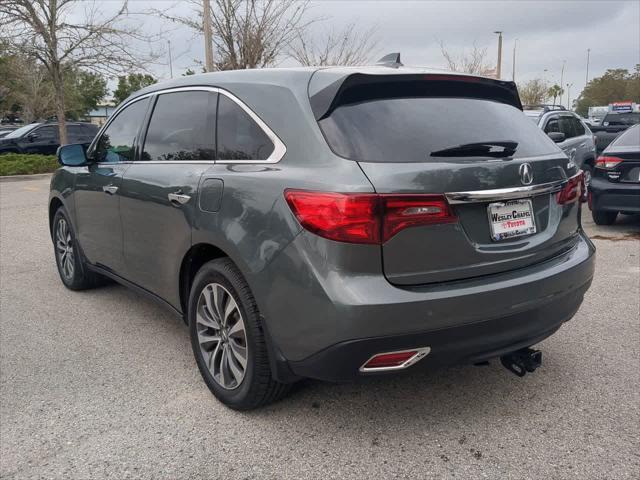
(575, 189)
(404, 211)
(607, 162)
(365, 217)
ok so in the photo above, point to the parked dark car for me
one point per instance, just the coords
(612, 125)
(44, 138)
(330, 223)
(616, 179)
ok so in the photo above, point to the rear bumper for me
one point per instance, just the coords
(614, 196)
(325, 324)
(458, 345)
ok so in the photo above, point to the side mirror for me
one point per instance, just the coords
(72, 155)
(556, 136)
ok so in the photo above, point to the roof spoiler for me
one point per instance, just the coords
(358, 87)
(391, 60)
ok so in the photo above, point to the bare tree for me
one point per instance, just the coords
(47, 31)
(247, 33)
(533, 92)
(346, 47)
(26, 84)
(468, 62)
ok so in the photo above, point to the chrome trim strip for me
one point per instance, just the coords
(279, 148)
(505, 193)
(420, 354)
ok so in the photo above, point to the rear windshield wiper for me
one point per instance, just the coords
(481, 149)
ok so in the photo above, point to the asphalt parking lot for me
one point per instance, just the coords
(102, 384)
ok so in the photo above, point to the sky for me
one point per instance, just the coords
(549, 33)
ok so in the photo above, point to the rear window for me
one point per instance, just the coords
(629, 138)
(614, 119)
(409, 129)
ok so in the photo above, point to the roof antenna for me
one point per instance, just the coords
(390, 60)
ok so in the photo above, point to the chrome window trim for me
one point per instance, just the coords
(279, 148)
(506, 193)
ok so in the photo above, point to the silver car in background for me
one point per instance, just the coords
(569, 131)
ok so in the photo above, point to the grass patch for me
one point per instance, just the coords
(21, 164)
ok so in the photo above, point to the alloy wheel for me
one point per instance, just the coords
(222, 336)
(64, 249)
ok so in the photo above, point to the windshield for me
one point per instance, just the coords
(409, 129)
(22, 130)
(613, 119)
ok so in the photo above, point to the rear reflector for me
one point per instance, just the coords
(607, 162)
(394, 360)
(365, 217)
(575, 189)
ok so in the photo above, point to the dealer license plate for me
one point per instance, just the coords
(511, 219)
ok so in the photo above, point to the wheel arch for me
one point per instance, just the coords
(54, 204)
(194, 258)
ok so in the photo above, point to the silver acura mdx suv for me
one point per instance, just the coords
(330, 223)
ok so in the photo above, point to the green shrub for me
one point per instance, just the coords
(21, 164)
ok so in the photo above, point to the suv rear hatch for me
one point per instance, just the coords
(465, 138)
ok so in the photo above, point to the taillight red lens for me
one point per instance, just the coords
(352, 218)
(574, 190)
(404, 211)
(389, 359)
(607, 162)
(365, 217)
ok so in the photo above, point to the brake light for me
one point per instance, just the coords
(607, 162)
(454, 78)
(367, 218)
(575, 189)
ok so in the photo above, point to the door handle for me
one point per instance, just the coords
(110, 189)
(178, 198)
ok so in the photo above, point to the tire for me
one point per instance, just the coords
(70, 261)
(220, 297)
(601, 217)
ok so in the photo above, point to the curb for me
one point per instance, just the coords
(19, 178)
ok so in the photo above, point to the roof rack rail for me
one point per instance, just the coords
(544, 107)
(391, 60)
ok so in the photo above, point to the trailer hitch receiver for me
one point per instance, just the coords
(522, 361)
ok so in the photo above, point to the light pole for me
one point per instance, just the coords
(513, 73)
(499, 66)
(170, 61)
(569, 85)
(561, 79)
(586, 79)
(208, 40)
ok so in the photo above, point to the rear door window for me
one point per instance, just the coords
(76, 134)
(181, 127)
(239, 136)
(410, 129)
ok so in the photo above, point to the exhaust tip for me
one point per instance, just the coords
(397, 360)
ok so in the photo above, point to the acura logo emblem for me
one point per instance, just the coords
(526, 176)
